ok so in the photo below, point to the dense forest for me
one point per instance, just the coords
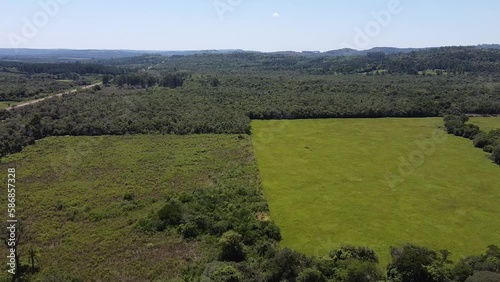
(59, 68)
(146, 80)
(21, 81)
(18, 87)
(439, 61)
(209, 103)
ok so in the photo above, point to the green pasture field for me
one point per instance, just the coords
(80, 199)
(377, 183)
(486, 123)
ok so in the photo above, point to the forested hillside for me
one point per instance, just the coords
(438, 61)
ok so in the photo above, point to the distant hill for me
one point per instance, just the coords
(386, 50)
(393, 50)
(489, 46)
(82, 55)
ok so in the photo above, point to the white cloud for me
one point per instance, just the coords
(276, 15)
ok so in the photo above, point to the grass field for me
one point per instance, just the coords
(327, 185)
(486, 123)
(71, 196)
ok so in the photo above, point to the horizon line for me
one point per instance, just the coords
(239, 49)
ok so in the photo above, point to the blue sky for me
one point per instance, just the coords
(263, 25)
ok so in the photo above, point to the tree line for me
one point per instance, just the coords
(440, 61)
(227, 104)
(59, 68)
(18, 87)
(145, 80)
(488, 141)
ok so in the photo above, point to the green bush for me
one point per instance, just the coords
(496, 154)
(311, 275)
(351, 252)
(363, 271)
(129, 196)
(355, 264)
(171, 213)
(481, 140)
(470, 131)
(463, 269)
(489, 142)
(271, 230)
(489, 148)
(489, 262)
(189, 230)
(286, 265)
(413, 263)
(221, 272)
(231, 248)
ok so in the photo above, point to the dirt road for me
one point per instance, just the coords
(51, 96)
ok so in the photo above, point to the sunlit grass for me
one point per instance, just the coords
(486, 123)
(326, 184)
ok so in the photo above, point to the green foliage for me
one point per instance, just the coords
(488, 262)
(106, 79)
(355, 264)
(129, 196)
(456, 125)
(496, 154)
(231, 247)
(20, 87)
(470, 131)
(446, 61)
(221, 272)
(195, 108)
(355, 253)
(26, 80)
(489, 142)
(311, 275)
(217, 211)
(286, 265)
(173, 80)
(481, 140)
(171, 213)
(418, 264)
(60, 68)
(145, 80)
(359, 271)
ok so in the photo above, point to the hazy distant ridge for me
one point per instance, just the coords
(68, 54)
